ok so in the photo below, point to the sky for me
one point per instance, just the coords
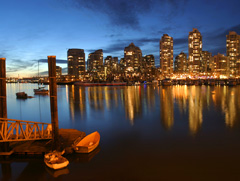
(31, 30)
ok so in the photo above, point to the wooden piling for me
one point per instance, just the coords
(3, 94)
(53, 101)
(4, 147)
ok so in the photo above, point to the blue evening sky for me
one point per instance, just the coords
(30, 30)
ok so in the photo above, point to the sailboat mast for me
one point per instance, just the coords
(38, 75)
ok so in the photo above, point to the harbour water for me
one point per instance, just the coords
(147, 132)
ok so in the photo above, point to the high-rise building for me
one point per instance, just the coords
(194, 51)
(148, 62)
(166, 54)
(221, 67)
(76, 62)
(108, 64)
(95, 61)
(233, 51)
(207, 62)
(122, 65)
(58, 71)
(238, 66)
(115, 64)
(148, 67)
(180, 63)
(133, 58)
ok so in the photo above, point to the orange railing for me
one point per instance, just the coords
(19, 130)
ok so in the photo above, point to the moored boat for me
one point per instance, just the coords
(166, 82)
(211, 82)
(87, 144)
(40, 90)
(232, 82)
(137, 83)
(55, 161)
(21, 95)
(222, 83)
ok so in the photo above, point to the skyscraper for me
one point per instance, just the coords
(181, 63)
(95, 61)
(233, 51)
(133, 58)
(115, 64)
(76, 62)
(166, 54)
(148, 67)
(221, 65)
(148, 61)
(194, 51)
(108, 64)
(207, 62)
(58, 71)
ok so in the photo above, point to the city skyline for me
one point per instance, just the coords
(33, 30)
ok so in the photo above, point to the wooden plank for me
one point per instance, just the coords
(67, 137)
(6, 153)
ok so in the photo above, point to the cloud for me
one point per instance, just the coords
(127, 13)
(18, 65)
(165, 30)
(58, 61)
(113, 35)
(45, 73)
(215, 41)
(116, 48)
(2, 55)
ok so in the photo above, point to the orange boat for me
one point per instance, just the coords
(88, 143)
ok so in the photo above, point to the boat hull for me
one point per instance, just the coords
(57, 166)
(40, 91)
(84, 149)
(21, 95)
(88, 143)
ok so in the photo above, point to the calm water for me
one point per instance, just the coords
(147, 132)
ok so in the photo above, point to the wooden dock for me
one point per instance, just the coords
(40, 147)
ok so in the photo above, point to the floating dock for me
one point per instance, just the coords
(40, 147)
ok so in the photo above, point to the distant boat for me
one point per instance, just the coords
(88, 143)
(232, 82)
(21, 95)
(55, 161)
(137, 83)
(166, 82)
(211, 82)
(222, 83)
(40, 90)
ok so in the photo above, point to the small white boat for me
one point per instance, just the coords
(55, 160)
(41, 90)
(88, 143)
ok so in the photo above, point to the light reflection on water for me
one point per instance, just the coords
(157, 125)
(135, 103)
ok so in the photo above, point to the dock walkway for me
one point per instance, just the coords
(40, 147)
